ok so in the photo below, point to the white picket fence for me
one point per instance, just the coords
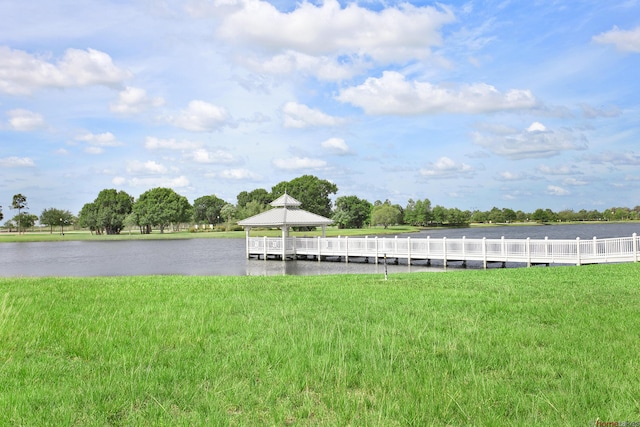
(530, 251)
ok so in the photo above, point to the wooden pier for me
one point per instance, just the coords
(528, 251)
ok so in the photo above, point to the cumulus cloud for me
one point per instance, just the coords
(239, 175)
(153, 143)
(623, 40)
(152, 182)
(200, 116)
(616, 158)
(534, 142)
(97, 142)
(394, 94)
(25, 120)
(342, 38)
(299, 163)
(300, 116)
(133, 100)
(554, 190)
(203, 155)
(559, 170)
(336, 145)
(447, 168)
(22, 73)
(16, 162)
(148, 167)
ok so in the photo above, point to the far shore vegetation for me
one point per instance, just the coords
(162, 210)
(536, 346)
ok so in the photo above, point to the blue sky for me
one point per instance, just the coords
(472, 105)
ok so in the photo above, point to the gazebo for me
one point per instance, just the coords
(285, 214)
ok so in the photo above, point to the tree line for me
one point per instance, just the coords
(162, 208)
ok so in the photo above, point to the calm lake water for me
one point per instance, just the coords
(226, 257)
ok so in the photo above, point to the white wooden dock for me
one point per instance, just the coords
(528, 251)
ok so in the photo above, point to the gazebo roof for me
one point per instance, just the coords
(286, 212)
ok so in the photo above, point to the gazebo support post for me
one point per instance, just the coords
(247, 231)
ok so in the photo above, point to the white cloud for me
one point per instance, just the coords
(239, 175)
(146, 167)
(336, 145)
(447, 168)
(16, 162)
(200, 116)
(153, 143)
(300, 116)
(536, 127)
(391, 34)
(618, 159)
(105, 139)
(22, 73)
(574, 182)
(393, 94)
(623, 40)
(554, 190)
(202, 155)
(299, 163)
(533, 142)
(559, 170)
(510, 176)
(146, 183)
(134, 100)
(24, 120)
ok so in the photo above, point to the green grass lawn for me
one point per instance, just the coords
(549, 346)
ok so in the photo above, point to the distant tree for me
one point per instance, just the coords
(55, 217)
(479, 217)
(312, 192)
(496, 216)
(110, 208)
(88, 218)
(439, 214)
(207, 209)
(161, 207)
(351, 212)
(254, 207)
(509, 214)
(19, 202)
(259, 195)
(228, 211)
(26, 220)
(543, 215)
(385, 215)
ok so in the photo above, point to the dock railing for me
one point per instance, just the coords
(530, 251)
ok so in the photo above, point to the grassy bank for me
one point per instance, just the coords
(553, 346)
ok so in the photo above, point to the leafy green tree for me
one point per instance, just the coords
(439, 214)
(351, 212)
(254, 207)
(259, 195)
(161, 207)
(108, 212)
(55, 217)
(207, 209)
(26, 220)
(19, 202)
(88, 218)
(228, 211)
(496, 216)
(314, 193)
(385, 215)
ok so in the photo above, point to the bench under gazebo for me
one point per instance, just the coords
(286, 213)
